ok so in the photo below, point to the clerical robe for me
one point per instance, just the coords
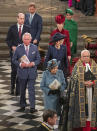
(80, 118)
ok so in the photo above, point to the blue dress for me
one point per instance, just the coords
(52, 101)
(60, 55)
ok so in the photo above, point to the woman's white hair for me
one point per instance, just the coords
(83, 51)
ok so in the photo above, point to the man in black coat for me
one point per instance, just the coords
(14, 38)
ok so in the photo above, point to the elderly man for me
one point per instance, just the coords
(34, 21)
(26, 58)
(83, 95)
(14, 38)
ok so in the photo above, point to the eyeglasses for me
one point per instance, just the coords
(85, 56)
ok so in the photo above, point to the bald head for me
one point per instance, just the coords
(21, 18)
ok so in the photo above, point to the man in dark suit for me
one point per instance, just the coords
(49, 120)
(26, 58)
(14, 38)
(34, 21)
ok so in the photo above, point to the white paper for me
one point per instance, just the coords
(55, 85)
(24, 59)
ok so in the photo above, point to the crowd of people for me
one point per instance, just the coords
(87, 7)
(74, 102)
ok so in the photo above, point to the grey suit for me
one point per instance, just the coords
(27, 76)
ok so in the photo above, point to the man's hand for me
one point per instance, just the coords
(35, 41)
(31, 64)
(13, 48)
(23, 65)
(88, 83)
(69, 57)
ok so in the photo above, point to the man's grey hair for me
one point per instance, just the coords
(85, 50)
(26, 34)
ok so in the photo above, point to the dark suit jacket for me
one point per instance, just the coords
(33, 56)
(36, 25)
(13, 35)
(41, 128)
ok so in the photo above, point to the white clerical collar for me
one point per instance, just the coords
(87, 67)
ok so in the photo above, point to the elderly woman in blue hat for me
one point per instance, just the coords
(58, 51)
(52, 83)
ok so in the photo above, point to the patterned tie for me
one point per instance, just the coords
(27, 50)
(20, 32)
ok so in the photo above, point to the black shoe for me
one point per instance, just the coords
(22, 109)
(32, 110)
(88, 14)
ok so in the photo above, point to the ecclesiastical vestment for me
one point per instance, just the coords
(80, 109)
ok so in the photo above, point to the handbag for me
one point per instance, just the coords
(63, 98)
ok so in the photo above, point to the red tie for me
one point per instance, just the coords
(20, 31)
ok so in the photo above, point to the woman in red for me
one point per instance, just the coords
(60, 19)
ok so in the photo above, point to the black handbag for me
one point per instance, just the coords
(63, 99)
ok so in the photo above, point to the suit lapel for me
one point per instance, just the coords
(33, 18)
(17, 33)
(23, 30)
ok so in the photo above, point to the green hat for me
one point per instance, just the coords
(69, 11)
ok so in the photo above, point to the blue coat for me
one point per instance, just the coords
(36, 25)
(33, 56)
(60, 55)
(52, 101)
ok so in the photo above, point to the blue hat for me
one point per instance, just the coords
(56, 37)
(52, 63)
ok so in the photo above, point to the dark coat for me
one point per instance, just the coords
(66, 39)
(36, 25)
(60, 55)
(13, 35)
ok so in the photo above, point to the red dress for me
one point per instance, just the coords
(87, 128)
(66, 40)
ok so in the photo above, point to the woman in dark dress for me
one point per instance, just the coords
(58, 51)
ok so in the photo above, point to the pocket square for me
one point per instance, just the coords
(33, 52)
